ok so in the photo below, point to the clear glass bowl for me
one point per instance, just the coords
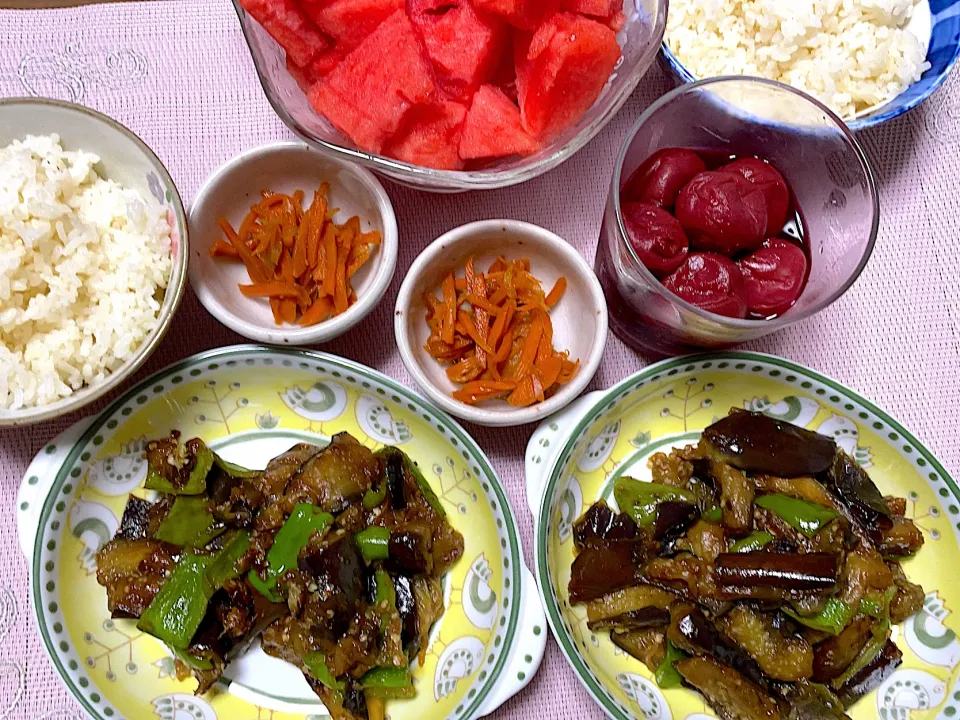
(827, 170)
(639, 39)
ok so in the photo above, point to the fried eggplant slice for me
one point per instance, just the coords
(757, 443)
(730, 694)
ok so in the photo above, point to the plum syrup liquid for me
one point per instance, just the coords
(635, 325)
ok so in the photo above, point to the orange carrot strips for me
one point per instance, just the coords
(449, 309)
(553, 297)
(298, 259)
(501, 346)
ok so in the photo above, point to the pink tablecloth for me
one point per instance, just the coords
(178, 73)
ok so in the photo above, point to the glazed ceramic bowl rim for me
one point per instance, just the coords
(789, 317)
(337, 325)
(515, 416)
(495, 677)
(453, 180)
(601, 401)
(172, 295)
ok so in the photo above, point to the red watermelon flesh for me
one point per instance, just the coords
(430, 136)
(366, 96)
(525, 14)
(598, 8)
(289, 27)
(350, 21)
(492, 127)
(321, 66)
(562, 72)
(464, 45)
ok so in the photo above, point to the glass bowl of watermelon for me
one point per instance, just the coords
(451, 95)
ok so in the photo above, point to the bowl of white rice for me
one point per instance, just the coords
(867, 60)
(93, 257)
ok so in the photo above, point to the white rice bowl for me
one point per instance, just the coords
(852, 55)
(83, 266)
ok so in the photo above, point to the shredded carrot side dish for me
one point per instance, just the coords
(298, 259)
(495, 331)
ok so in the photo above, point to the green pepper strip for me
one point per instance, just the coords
(876, 604)
(389, 693)
(192, 661)
(197, 482)
(234, 470)
(807, 517)
(304, 521)
(386, 678)
(714, 514)
(640, 499)
(177, 609)
(419, 479)
(667, 676)
(752, 542)
(374, 543)
(224, 565)
(189, 523)
(316, 664)
(385, 593)
(834, 617)
(374, 496)
(881, 633)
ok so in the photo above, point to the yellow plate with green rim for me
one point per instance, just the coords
(251, 403)
(575, 456)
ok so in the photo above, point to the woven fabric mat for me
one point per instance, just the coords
(179, 74)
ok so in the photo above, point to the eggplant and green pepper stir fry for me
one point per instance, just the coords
(760, 567)
(331, 556)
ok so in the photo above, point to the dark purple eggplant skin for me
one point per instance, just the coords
(600, 523)
(855, 491)
(832, 656)
(754, 442)
(634, 619)
(398, 498)
(870, 678)
(338, 566)
(674, 517)
(407, 608)
(700, 633)
(408, 552)
(135, 520)
(809, 571)
(601, 570)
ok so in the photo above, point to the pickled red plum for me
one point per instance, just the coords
(712, 282)
(723, 213)
(773, 277)
(771, 183)
(656, 237)
(660, 178)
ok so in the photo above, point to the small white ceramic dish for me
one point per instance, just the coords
(286, 167)
(125, 159)
(579, 319)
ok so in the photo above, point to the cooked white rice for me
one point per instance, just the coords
(83, 262)
(850, 54)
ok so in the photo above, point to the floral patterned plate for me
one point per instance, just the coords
(251, 403)
(574, 458)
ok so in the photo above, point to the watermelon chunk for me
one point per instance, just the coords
(464, 45)
(430, 136)
(367, 95)
(349, 21)
(289, 27)
(524, 14)
(597, 8)
(493, 128)
(562, 72)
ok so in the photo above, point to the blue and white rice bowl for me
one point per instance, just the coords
(936, 22)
